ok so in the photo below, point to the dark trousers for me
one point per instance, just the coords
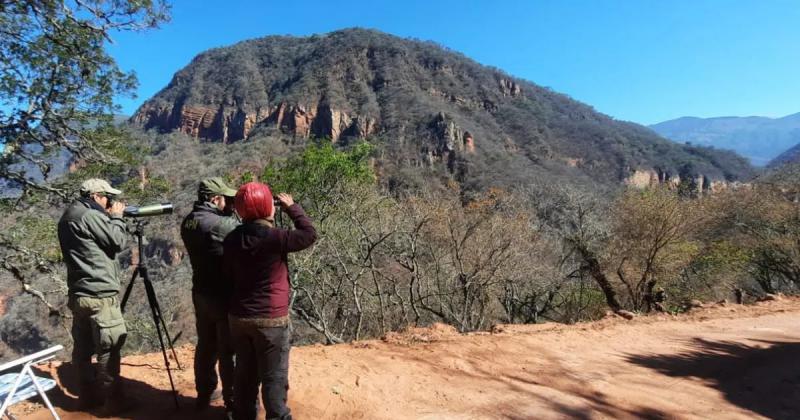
(213, 345)
(97, 328)
(262, 356)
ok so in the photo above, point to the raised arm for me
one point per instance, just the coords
(304, 234)
(110, 234)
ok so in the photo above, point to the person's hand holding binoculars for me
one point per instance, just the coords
(116, 209)
(284, 200)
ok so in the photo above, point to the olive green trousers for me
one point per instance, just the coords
(97, 329)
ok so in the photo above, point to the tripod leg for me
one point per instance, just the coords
(169, 342)
(128, 289)
(141, 269)
(164, 326)
(151, 298)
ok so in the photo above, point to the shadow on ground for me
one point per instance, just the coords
(763, 377)
(523, 389)
(149, 402)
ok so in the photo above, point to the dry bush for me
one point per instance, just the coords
(383, 263)
(651, 243)
(756, 234)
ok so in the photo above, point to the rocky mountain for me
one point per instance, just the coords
(427, 107)
(760, 139)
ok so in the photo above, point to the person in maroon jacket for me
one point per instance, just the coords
(255, 256)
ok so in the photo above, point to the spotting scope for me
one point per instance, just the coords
(148, 210)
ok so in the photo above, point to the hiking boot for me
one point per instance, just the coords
(204, 400)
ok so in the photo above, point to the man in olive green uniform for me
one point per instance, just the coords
(203, 231)
(91, 233)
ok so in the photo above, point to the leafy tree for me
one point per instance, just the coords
(57, 81)
(333, 186)
(321, 175)
(57, 86)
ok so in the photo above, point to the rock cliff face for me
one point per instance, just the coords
(448, 141)
(229, 124)
(509, 87)
(426, 105)
(698, 184)
(642, 178)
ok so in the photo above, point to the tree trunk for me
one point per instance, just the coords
(593, 265)
(649, 295)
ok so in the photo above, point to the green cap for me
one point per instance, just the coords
(214, 186)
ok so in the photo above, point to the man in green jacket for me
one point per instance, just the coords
(91, 233)
(203, 231)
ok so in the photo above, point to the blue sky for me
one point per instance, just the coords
(640, 60)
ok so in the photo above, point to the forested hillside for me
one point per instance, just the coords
(791, 156)
(429, 108)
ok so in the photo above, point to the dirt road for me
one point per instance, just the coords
(730, 362)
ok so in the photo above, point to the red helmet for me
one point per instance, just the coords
(254, 201)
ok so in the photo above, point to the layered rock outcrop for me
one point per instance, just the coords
(698, 184)
(232, 123)
(447, 141)
(509, 87)
(642, 179)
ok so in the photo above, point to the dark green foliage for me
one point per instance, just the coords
(57, 80)
(320, 175)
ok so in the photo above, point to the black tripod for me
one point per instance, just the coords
(155, 309)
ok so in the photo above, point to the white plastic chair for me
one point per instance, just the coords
(19, 386)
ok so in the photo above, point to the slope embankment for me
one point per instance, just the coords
(732, 361)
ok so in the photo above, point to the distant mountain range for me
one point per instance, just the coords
(760, 139)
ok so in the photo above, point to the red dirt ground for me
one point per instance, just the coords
(731, 362)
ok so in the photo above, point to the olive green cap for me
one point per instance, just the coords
(214, 186)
